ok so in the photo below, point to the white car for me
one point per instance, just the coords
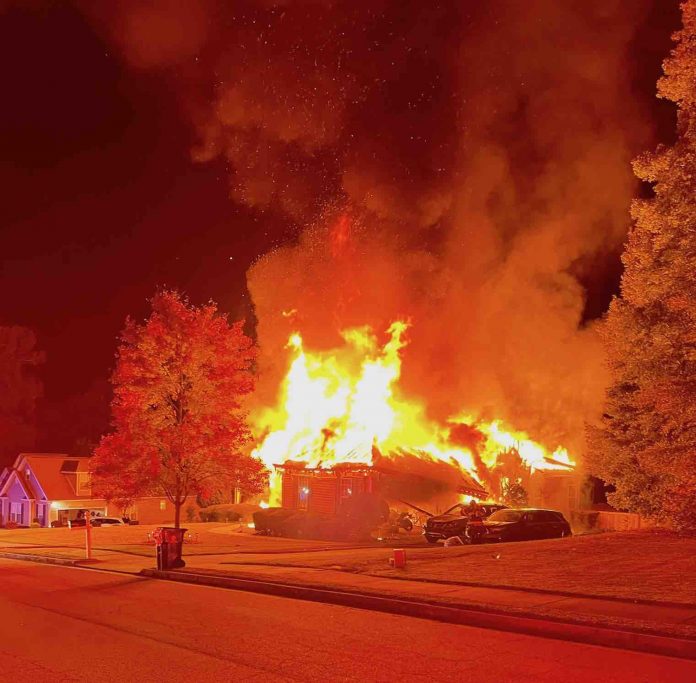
(107, 521)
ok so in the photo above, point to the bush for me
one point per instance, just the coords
(226, 512)
(190, 514)
(269, 521)
(209, 515)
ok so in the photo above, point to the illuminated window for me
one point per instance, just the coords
(84, 484)
(347, 487)
(163, 505)
(302, 492)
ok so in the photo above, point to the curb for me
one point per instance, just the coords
(43, 559)
(624, 639)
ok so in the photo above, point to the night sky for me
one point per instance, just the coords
(102, 203)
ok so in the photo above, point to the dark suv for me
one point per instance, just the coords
(453, 522)
(525, 524)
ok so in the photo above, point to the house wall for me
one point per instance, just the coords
(326, 491)
(18, 503)
(289, 491)
(323, 495)
(555, 490)
(154, 510)
(34, 483)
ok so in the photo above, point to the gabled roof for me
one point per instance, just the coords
(16, 475)
(50, 471)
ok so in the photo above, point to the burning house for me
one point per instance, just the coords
(342, 430)
(404, 477)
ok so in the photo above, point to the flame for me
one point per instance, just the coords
(336, 405)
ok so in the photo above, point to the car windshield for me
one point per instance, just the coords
(505, 516)
(454, 510)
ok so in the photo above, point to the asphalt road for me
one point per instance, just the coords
(64, 624)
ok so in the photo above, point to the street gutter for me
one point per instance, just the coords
(476, 616)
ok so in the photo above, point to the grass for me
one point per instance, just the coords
(643, 565)
(211, 538)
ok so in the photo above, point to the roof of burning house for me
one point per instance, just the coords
(407, 469)
(420, 466)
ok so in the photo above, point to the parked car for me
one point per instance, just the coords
(108, 521)
(96, 521)
(525, 524)
(454, 521)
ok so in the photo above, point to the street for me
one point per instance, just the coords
(65, 624)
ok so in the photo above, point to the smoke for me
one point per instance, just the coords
(460, 163)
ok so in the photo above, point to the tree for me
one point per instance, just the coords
(513, 493)
(179, 428)
(646, 443)
(19, 390)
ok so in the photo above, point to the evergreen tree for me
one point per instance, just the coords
(646, 443)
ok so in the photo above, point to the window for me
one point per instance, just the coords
(547, 516)
(84, 484)
(16, 512)
(163, 505)
(506, 516)
(302, 492)
(347, 487)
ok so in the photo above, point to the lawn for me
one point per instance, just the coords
(643, 565)
(209, 538)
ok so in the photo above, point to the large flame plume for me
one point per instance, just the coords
(461, 164)
(338, 406)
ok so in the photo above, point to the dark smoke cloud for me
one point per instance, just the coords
(464, 164)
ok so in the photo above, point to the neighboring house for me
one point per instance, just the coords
(41, 488)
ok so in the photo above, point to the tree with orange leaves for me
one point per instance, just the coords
(179, 425)
(646, 443)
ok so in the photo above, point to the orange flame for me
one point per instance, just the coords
(336, 405)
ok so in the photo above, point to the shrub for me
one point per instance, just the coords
(208, 515)
(226, 512)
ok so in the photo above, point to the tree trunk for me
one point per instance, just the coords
(177, 512)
